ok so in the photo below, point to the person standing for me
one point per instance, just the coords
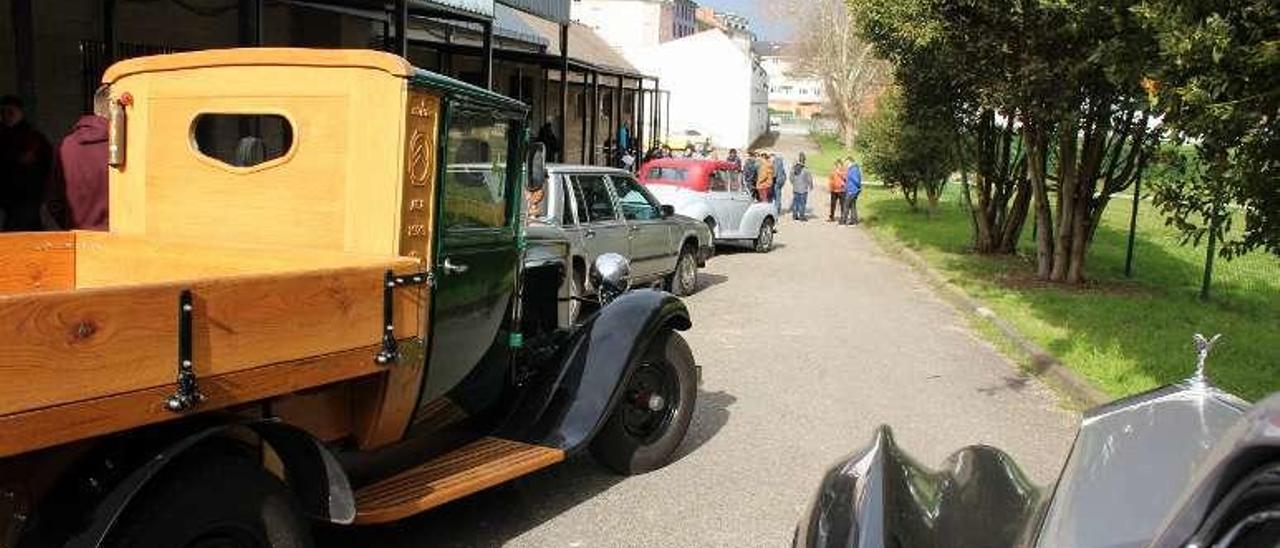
(779, 180)
(547, 136)
(835, 187)
(734, 159)
(26, 158)
(624, 136)
(764, 178)
(852, 188)
(801, 185)
(81, 168)
(749, 170)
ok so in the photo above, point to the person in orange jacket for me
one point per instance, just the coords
(764, 177)
(835, 186)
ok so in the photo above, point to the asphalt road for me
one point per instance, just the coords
(804, 351)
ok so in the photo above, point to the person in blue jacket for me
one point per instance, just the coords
(852, 188)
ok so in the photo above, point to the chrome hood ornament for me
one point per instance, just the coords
(1203, 348)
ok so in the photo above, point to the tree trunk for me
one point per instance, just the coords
(1036, 160)
(1068, 192)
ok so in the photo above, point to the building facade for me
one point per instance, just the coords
(630, 24)
(716, 88)
(793, 93)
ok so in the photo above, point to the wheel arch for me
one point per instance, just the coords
(570, 406)
(312, 472)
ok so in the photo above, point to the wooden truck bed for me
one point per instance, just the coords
(89, 327)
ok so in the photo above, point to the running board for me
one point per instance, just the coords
(474, 467)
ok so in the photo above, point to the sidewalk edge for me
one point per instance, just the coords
(1038, 361)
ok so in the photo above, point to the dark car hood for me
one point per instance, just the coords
(1133, 471)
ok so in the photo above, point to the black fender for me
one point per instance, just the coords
(577, 395)
(312, 472)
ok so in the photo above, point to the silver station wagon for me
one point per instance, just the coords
(605, 210)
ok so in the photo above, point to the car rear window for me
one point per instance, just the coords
(667, 174)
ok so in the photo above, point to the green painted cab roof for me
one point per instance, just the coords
(459, 89)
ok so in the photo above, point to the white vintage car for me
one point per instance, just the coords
(712, 191)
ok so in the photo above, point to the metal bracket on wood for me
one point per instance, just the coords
(390, 348)
(188, 393)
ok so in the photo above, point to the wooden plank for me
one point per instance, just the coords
(51, 426)
(474, 467)
(242, 57)
(105, 259)
(37, 261)
(323, 412)
(78, 345)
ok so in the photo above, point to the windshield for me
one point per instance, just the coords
(667, 174)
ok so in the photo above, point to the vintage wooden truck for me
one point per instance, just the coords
(316, 301)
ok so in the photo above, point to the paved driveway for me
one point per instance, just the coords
(804, 351)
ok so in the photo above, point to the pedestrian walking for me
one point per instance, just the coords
(80, 172)
(801, 185)
(835, 187)
(779, 180)
(852, 188)
(764, 178)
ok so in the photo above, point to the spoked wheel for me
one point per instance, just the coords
(684, 280)
(653, 415)
(764, 240)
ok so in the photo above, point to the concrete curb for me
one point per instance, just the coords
(1039, 362)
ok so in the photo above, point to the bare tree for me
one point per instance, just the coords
(829, 48)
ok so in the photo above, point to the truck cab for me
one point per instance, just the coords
(316, 301)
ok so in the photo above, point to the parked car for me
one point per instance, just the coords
(713, 192)
(605, 210)
(683, 139)
(1183, 465)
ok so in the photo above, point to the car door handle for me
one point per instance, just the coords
(451, 268)
(635, 228)
(589, 234)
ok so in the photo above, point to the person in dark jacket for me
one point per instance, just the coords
(81, 169)
(547, 136)
(852, 188)
(26, 159)
(779, 180)
(749, 169)
(801, 185)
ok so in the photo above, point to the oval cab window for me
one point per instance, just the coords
(242, 140)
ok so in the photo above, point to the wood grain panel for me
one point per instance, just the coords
(474, 467)
(85, 344)
(32, 430)
(105, 259)
(37, 261)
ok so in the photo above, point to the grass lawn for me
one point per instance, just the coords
(1125, 335)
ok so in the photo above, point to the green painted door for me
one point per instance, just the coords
(476, 264)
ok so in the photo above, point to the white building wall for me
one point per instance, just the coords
(716, 88)
(624, 24)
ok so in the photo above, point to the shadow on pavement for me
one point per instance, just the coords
(495, 516)
(706, 280)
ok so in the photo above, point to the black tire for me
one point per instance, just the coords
(684, 281)
(764, 239)
(624, 448)
(214, 500)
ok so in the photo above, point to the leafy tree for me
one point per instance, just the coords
(950, 66)
(1217, 88)
(909, 152)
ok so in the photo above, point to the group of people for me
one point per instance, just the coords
(766, 172)
(44, 188)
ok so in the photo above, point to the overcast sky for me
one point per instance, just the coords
(765, 27)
